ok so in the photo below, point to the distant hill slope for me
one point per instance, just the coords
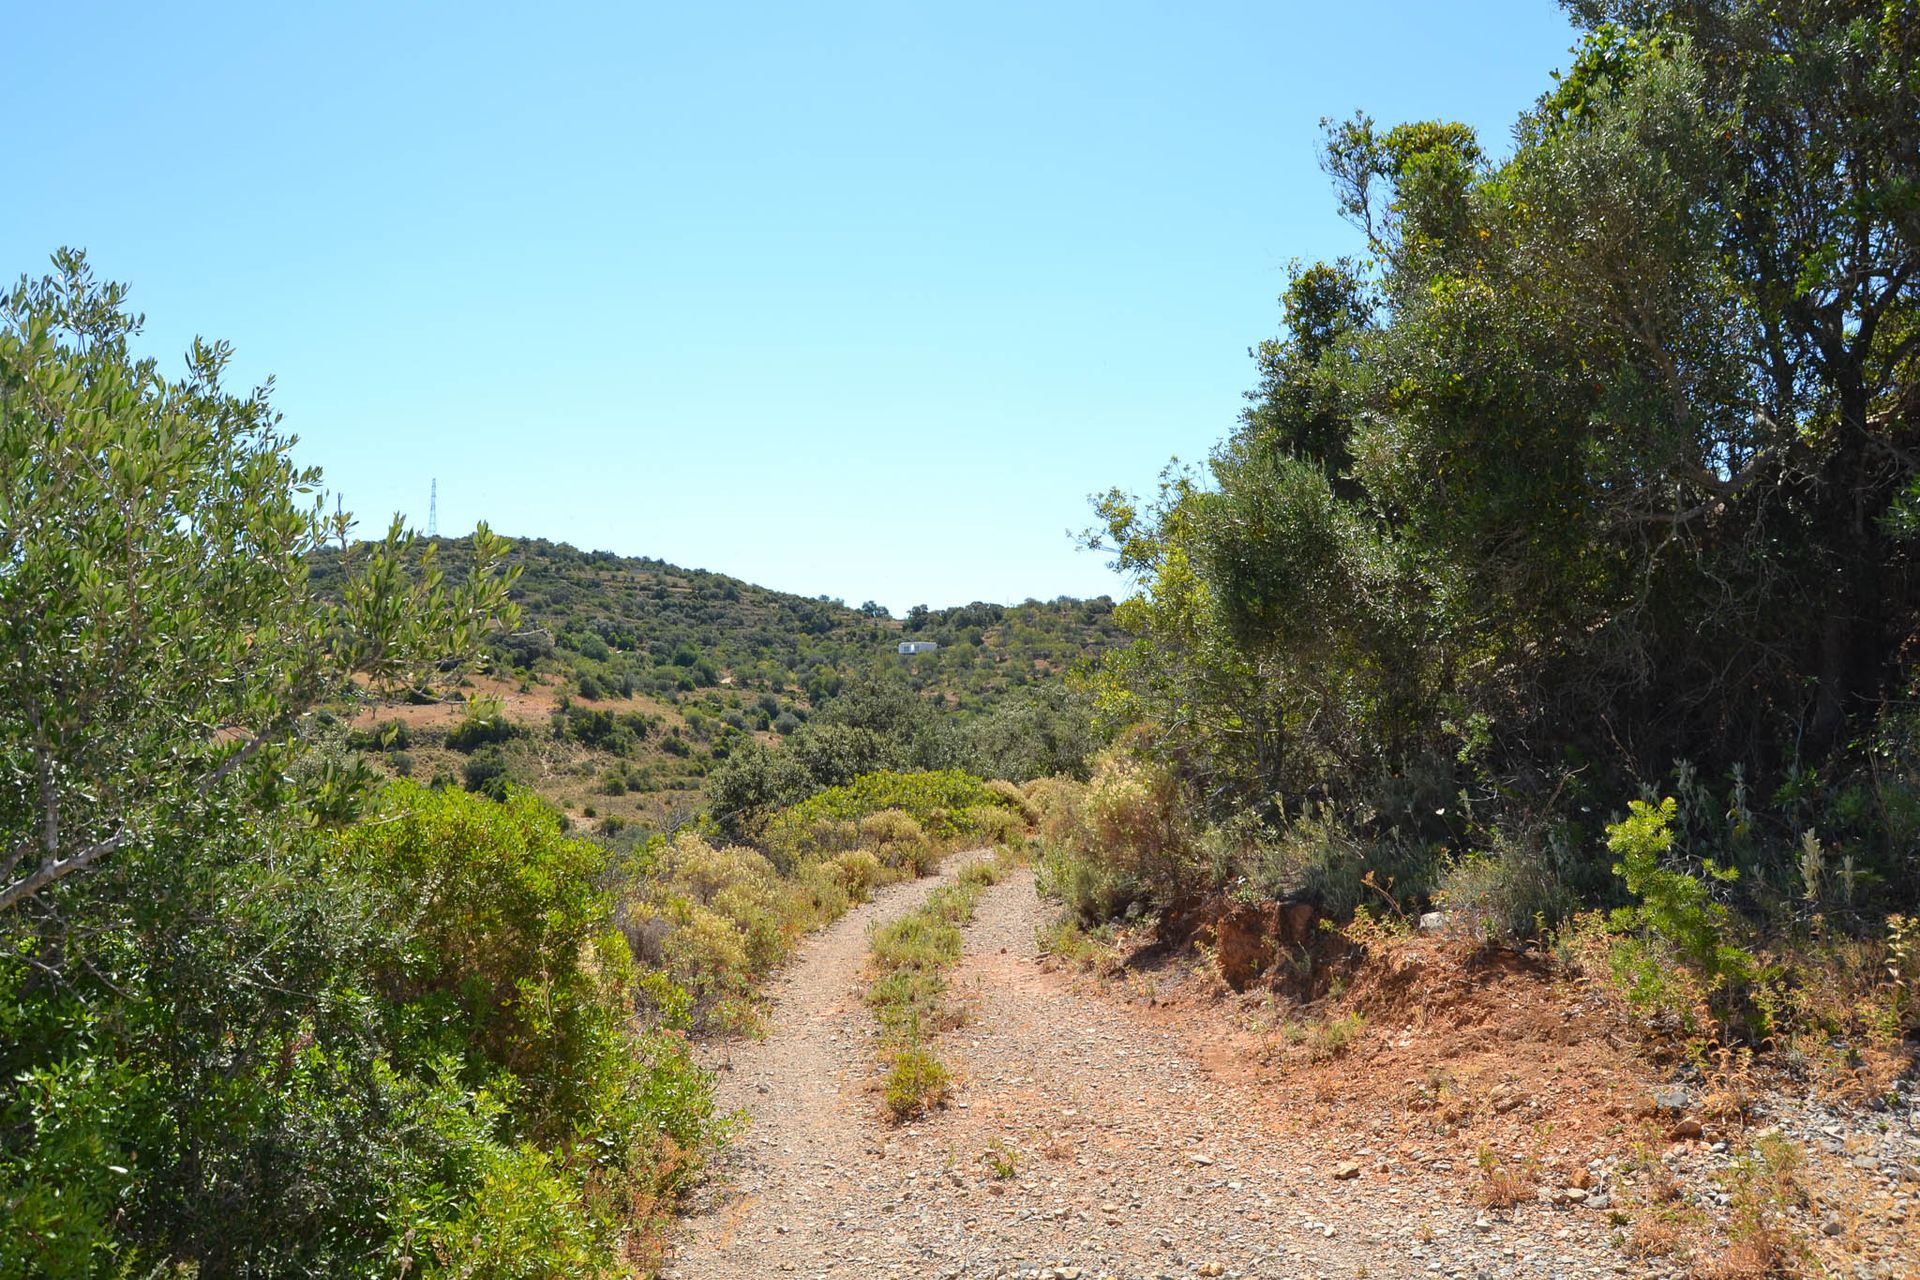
(684, 663)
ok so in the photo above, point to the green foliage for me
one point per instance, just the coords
(714, 920)
(1037, 732)
(498, 939)
(1676, 907)
(937, 799)
(1599, 461)
(484, 723)
(1121, 843)
(488, 772)
(1526, 877)
(750, 786)
(916, 1082)
(166, 634)
(906, 818)
(387, 735)
(243, 1028)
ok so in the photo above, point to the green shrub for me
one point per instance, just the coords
(1014, 798)
(895, 839)
(919, 940)
(916, 1082)
(906, 819)
(1677, 913)
(715, 919)
(387, 735)
(464, 1016)
(484, 723)
(1119, 843)
(992, 824)
(857, 871)
(981, 873)
(1056, 803)
(496, 938)
(487, 773)
(930, 798)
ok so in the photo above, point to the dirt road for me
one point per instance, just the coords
(1082, 1142)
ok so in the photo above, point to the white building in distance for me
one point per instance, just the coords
(917, 646)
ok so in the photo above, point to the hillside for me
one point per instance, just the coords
(628, 678)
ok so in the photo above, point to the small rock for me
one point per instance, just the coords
(1685, 1131)
(1671, 1097)
(1345, 1171)
(1831, 1227)
(1212, 1269)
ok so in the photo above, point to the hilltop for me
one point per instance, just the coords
(629, 678)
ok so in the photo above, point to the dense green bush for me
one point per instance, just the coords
(387, 735)
(1676, 914)
(245, 1027)
(1039, 732)
(488, 772)
(1511, 532)
(944, 807)
(935, 799)
(464, 1016)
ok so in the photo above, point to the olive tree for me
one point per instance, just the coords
(162, 643)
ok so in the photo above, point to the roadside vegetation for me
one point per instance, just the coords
(296, 981)
(261, 1011)
(715, 918)
(1556, 588)
(1571, 602)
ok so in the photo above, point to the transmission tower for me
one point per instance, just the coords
(433, 508)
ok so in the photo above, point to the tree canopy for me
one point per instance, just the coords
(1604, 458)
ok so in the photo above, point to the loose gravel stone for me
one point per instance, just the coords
(1130, 1161)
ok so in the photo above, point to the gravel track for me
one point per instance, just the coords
(1126, 1158)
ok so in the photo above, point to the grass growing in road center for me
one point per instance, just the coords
(910, 958)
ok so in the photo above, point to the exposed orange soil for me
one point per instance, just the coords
(1457, 1050)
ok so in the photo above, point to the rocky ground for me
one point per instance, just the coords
(1084, 1139)
(1158, 1125)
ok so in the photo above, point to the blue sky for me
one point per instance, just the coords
(856, 300)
